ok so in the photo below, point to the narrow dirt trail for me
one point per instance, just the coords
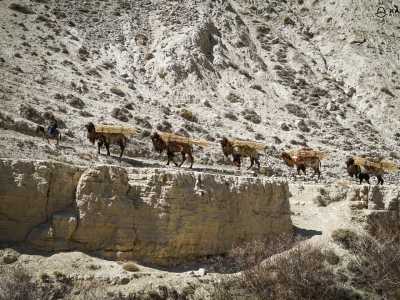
(314, 221)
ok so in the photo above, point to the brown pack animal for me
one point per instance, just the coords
(239, 151)
(50, 134)
(106, 139)
(362, 172)
(173, 147)
(301, 163)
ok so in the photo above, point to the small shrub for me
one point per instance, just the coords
(130, 267)
(121, 114)
(15, 284)
(93, 267)
(75, 102)
(331, 257)
(28, 112)
(251, 116)
(117, 91)
(188, 115)
(344, 237)
(233, 98)
(21, 8)
(231, 116)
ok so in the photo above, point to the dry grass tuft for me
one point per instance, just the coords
(131, 267)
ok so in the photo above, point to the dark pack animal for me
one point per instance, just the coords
(363, 173)
(240, 151)
(172, 147)
(106, 139)
(301, 164)
(52, 133)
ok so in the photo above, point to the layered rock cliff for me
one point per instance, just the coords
(154, 215)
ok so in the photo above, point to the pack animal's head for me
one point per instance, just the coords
(287, 159)
(158, 144)
(352, 168)
(40, 130)
(227, 147)
(91, 132)
(350, 162)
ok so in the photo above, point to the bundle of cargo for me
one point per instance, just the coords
(247, 144)
(304, 153)
(173, 137)
(376, 164)
(106, 128)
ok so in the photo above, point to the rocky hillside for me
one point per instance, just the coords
(286, 73)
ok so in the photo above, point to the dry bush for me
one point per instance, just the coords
(131, 267)
(344, 237)
(17, 284)
(188, 115)
(253, 253)
(375, 263)
(251, 115)
(300, 273)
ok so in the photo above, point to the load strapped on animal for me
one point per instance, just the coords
(240, 148)
(241, 144)
(304, 158)
(105, 128)
(174, 143)
(377, 165)
(304, 154)
(173, 137)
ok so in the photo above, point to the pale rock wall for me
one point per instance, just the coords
(155, 215)
(376, 205)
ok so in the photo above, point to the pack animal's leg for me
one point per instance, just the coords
(191, 159)
(99, 145)
(171, 158)
(298, 170)
(183, 158)
(257, 160)
(108, 148)
(251, 163)
(380, 179)
(122, 149)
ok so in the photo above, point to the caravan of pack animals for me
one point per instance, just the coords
(362, 168)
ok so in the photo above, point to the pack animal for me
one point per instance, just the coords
(301, 164)
(363, 173)
(49, 134)
(172, 147)
(240, 151)
(106, 139)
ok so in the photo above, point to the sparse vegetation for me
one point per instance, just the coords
(21, 8)
(130, 267)
(121, 114)
(344, 237)
(300, 273)
(188, 115)
(251, 115)
(117, 91)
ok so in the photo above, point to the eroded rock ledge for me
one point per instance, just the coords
(152, 215)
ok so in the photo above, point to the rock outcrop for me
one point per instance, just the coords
(152, 215)
(376, 206)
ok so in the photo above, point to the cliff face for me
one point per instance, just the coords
(162, 216)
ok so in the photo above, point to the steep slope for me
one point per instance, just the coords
(286, 73)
